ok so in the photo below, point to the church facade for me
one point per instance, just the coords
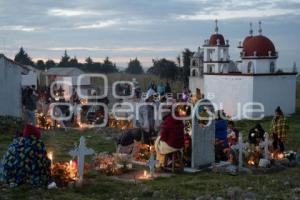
(251, 87)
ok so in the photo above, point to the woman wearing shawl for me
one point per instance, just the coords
(26, 160)
(279, 129)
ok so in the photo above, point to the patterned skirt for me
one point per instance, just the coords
(26, 162)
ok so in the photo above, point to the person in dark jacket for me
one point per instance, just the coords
(125, 143)
(256, 134)
(221, 128)
(221, 140)
(168, 88)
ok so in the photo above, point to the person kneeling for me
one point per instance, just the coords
(171, 138)
(26, 160)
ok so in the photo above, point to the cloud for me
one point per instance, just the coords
(70, 12)
(236, 14)
(99, 24)
(123, 24)
(236, 9)
(74, 12)
(117, 49)
(19, 28)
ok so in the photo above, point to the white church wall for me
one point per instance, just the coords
(10, 90)
(276, 90)
(196, 82)
(228, 92)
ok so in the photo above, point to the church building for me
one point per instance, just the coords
(248, 88)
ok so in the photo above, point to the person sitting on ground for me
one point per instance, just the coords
(171, 138)
(256, 135)
(26, 160)
(279, 130)
(126, 142)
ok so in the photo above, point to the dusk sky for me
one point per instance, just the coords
(146, 29)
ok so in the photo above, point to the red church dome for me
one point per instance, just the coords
(213, 41)
(246, 39)
(259, 44)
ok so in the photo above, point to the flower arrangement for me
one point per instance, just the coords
(143, 152)
(63, 173)
(121, 124)
(123, 161)
(106, 163)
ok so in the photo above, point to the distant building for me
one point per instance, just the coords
(32, 77)
(70, 76)
(255, 78)
(11, 89)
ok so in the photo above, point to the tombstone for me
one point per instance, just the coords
(203, 138)
(80, 152)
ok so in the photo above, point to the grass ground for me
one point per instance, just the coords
(182, 186)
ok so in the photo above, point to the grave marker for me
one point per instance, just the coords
(203, 138)
(80, 152)
(151, 164)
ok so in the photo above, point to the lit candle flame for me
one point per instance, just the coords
(280, 156)
(50, 155)
(251, 162)
(145, 174)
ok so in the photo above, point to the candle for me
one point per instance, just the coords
(50, 156)
(72, 170)
(280, 156)
(145, 174)
(251, 163)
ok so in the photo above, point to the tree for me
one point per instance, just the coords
(49, 64)
(164, 69)
(134, 67)
(108, 66)
(73, 62)
(40, 65)
(65, 60)
(186, 60)
(23, 58)
(88, 61)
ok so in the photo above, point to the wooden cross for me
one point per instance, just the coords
(151, 164)
(80, 152)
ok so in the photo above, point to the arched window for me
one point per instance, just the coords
(194, 72)
(272, 67)
(250, 67)
(211, 69)
(194, 63)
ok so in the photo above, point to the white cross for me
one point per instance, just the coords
(240, 146)
(81, 151)
(266, 146)
(151, 164)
